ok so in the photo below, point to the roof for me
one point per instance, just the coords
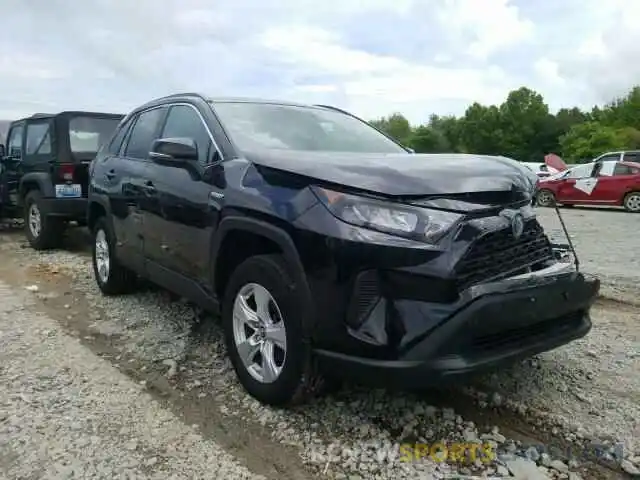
(71, 113)
(184, 96)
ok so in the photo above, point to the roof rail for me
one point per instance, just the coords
(330, 107)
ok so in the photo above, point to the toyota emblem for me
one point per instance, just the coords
(517, 225)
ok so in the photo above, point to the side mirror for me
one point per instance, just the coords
(411, 150)
(174, 150)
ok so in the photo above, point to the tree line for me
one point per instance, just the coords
(523, 128)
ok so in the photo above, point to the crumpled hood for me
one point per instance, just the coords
(404, 175)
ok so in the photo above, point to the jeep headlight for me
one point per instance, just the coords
(385, 216)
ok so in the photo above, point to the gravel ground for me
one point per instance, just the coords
(66, 413)
(603, 239)
(580, 399)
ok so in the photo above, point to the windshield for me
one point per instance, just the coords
(87, 134)
(272, 126)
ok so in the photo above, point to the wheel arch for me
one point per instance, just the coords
(34, 181)
(96, 207)
(627, 193)
(271, 239)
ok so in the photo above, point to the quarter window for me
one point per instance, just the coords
(144, 133)
(183, 121)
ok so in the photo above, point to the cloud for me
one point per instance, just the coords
(373, 58)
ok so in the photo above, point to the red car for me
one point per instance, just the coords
(608, 180)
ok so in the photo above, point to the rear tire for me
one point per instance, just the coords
(545, 198)
(631, 202)
(43, 232)
(112, 278)
(262, 284)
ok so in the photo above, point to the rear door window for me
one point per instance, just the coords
(38, 139)
(116, 143)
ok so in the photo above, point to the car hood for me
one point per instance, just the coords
(404, 175)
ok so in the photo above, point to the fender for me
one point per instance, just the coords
(100, 199)
(282, 239)
(42, 179)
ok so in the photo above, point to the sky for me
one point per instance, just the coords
(371, 57)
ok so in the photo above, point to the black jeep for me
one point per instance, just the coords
(43, 175)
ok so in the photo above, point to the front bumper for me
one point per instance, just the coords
(491, 324)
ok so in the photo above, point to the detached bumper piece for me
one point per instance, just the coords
(489, 330)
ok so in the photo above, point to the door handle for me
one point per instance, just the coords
(110, 174)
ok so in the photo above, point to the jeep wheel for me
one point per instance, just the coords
(632, 202)
(42, 231)
(264, 334)
(111, 277)
(545, 198)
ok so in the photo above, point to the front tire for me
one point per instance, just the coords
(545, 198)
(112, 278)
(264, 333)
(631, 202)
(43, 232)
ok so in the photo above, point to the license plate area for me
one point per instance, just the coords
(69, 190)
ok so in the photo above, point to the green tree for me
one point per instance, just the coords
(481, 130)
(528, 129)
(396, 126)
(587, 140)
(450, 128)
(522, 127)
(426, 139)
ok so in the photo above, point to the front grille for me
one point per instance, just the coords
(523, 335)
(499, 254)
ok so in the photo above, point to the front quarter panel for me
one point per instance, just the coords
(265, 193)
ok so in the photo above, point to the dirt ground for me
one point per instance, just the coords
(280, 444)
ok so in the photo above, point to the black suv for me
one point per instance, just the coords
(329, 248)
(44, 175)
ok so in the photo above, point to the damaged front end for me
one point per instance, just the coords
(497, 288)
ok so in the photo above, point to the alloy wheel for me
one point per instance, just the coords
(102, 256)
(259, 333)
(545, 198)
(35, 220)
(633, 202)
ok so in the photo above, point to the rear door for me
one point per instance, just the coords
(126, 174)
(610, 184)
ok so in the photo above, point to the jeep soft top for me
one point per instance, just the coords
(44, 174)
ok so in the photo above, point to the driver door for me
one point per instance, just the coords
(12, 168)
(577, 186)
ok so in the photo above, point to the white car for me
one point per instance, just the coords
(540, 168)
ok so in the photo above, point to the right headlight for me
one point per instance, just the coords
(427, 225)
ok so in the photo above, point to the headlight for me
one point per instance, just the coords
(403, 220)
